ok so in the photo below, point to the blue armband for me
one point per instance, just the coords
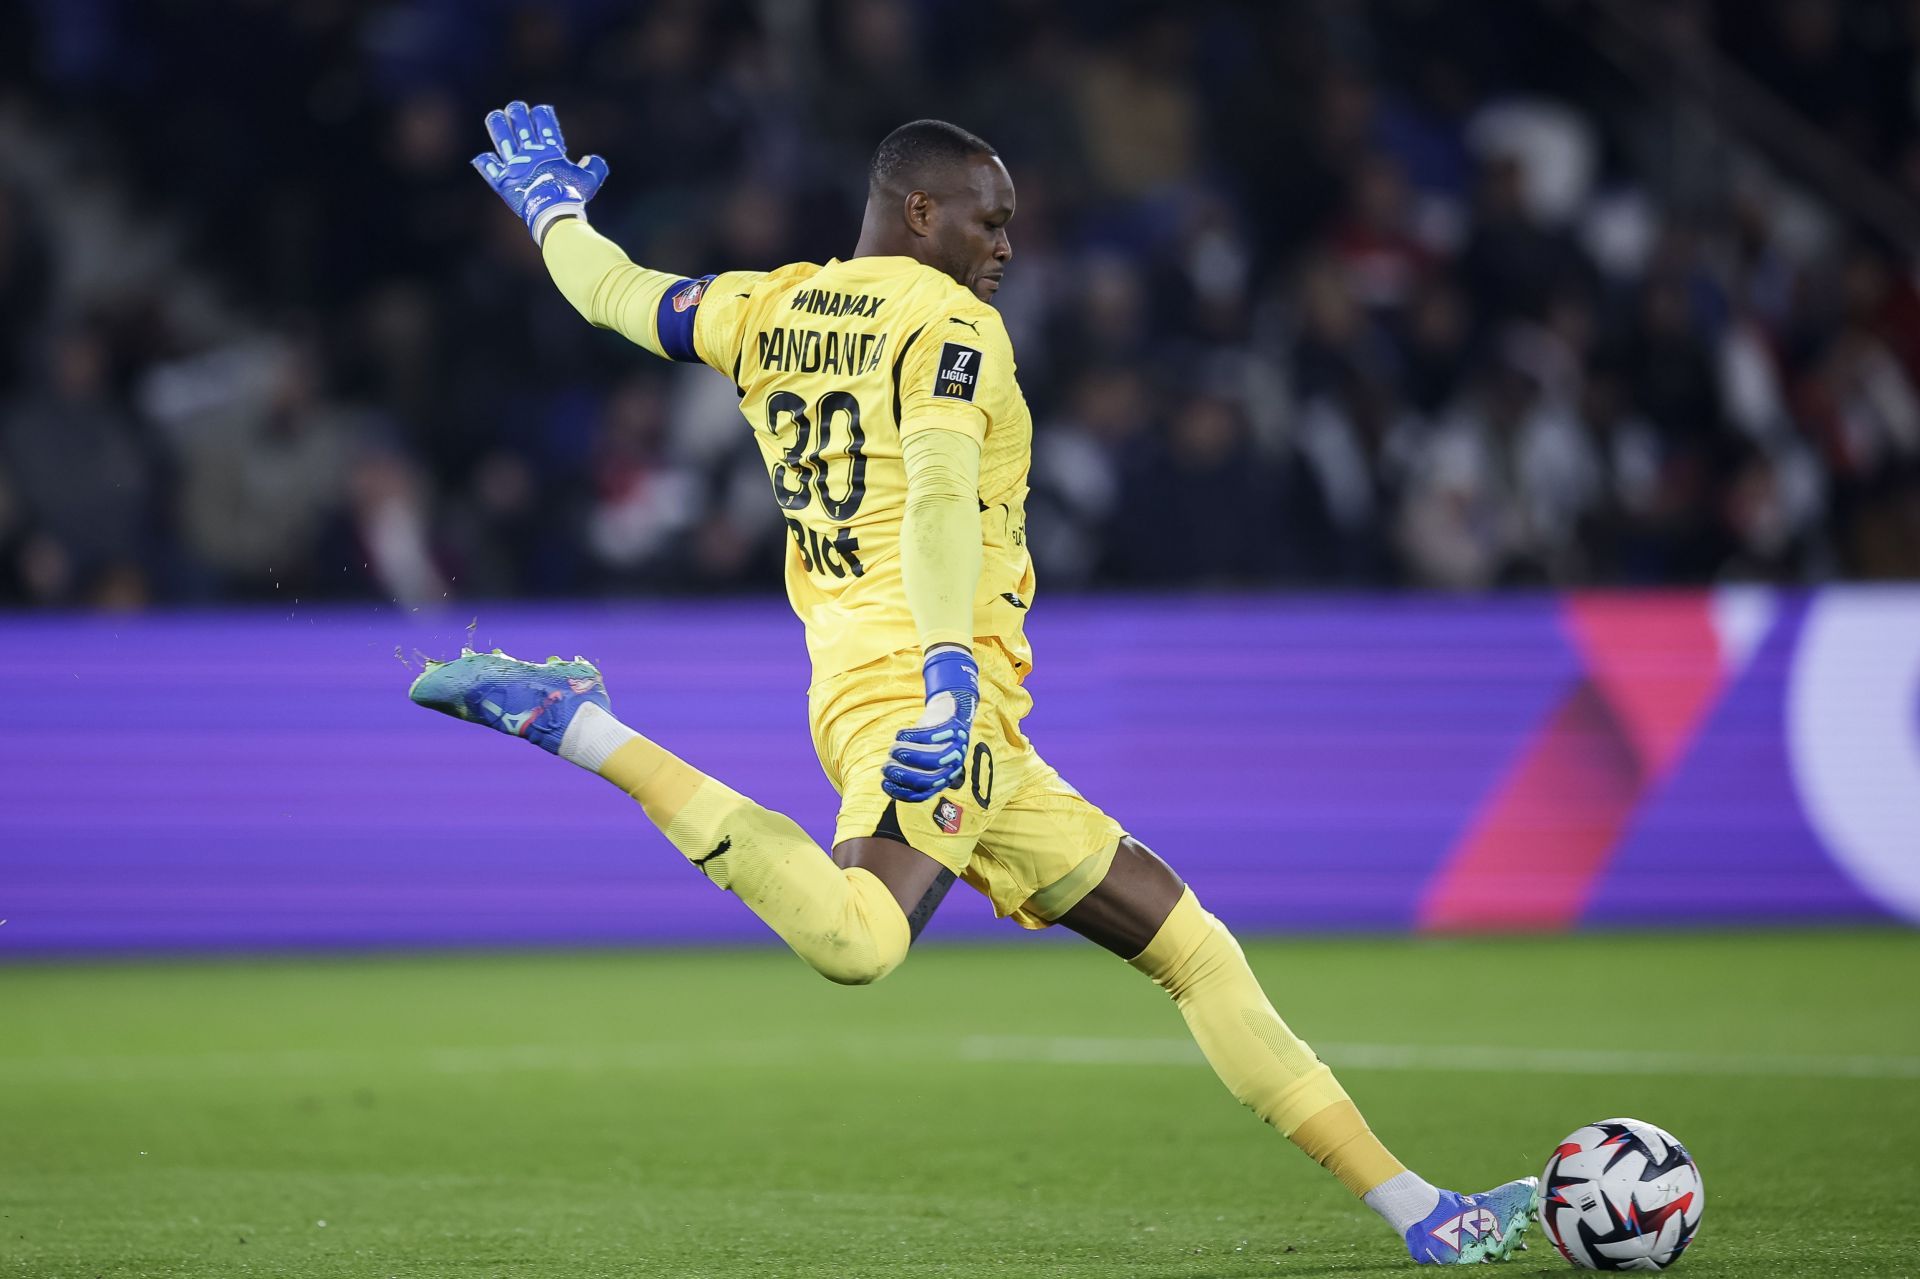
(678, 307)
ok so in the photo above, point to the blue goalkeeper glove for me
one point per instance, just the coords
(529, 169)
(932, 755)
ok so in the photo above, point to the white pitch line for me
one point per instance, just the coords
(1068, 1051)
(485, 1059)
(1603, 1061)
(1027, 1049)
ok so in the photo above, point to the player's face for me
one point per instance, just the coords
(970, 228)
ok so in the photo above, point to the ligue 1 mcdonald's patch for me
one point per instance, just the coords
(959, 372)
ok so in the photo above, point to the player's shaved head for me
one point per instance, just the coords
(940, 195)
(923, 155)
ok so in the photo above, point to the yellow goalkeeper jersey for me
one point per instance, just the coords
(835, 366)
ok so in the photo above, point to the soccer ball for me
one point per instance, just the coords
(1621, 1195)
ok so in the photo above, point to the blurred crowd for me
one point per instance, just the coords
(1350, 293)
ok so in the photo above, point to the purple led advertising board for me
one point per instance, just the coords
(259, 779)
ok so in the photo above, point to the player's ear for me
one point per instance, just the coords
(918, 211)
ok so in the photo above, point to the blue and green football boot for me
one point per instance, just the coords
(1465, 1229)
(517, 698)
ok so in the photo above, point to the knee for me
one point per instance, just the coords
(854, 965)
(852, 975)
(868, 941)
(1190, 948)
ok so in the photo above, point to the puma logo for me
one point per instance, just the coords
(969, 323)
(726, 842)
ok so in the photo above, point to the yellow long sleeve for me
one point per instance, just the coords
(940, 534)
(604, 285)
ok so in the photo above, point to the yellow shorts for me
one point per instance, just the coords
(1013, 828)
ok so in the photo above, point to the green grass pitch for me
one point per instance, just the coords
(1019, 1110)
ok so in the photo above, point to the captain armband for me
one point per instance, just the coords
(679, 306)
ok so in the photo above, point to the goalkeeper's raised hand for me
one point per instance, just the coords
(529, 169)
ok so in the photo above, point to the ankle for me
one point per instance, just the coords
(1403, 1200)
(593, 736)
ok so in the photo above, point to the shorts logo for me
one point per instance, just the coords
(959, 372)
(946, 815)
(690, 295)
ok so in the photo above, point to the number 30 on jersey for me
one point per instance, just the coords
(801, 478)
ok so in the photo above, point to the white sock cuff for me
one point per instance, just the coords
(593, 735)
(1404, 1200)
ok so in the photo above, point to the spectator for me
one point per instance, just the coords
(1513, 263)
(1198, 508)
(1344, 481)
(641, 502)
(1502, 491)
(262, 471)
(389, 518)
(1374, 243)
(83, 483)
(1078, 460)
(1424, 298)
(26, 283)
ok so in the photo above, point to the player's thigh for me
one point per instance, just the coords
(1046, 846)
(856, 717)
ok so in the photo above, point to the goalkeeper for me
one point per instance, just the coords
(880, 390)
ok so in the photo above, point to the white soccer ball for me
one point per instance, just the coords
(1621, 1195)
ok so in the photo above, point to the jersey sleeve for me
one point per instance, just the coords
(958, 374)
(716, 317)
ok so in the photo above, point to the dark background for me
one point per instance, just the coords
(1400, 293)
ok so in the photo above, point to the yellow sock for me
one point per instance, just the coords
(1263, 1063)
(1339, 1140)
(843, 922)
